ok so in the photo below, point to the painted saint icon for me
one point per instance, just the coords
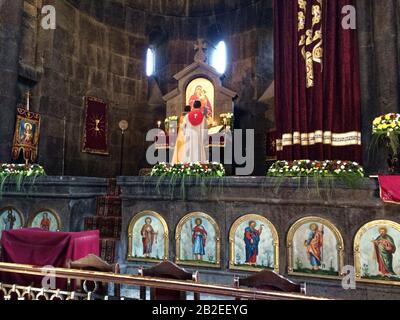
(252, 240)
(27, 133)
(9, 220)
(45, 223)
(149, 237)
(199, 240)
(384, 247)
(46, 220)
(201, 95)
(254, 244)
(201, 89)
(375, 252)
(314, 246)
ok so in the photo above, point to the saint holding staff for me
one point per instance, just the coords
(314, 246)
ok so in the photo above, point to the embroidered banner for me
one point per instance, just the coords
(317, 86)
(26, 135)
(95, 135)
(310, 36)
(390, 189)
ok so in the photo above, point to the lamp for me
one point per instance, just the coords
(123, 125)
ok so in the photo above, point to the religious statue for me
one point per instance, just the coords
(314, 246)
(9, 220)
(201, 95)
(179, 151)
(384, 249)
(199, 239)
(252, 240)
(45, 223)
(149, 237)
(195, 132)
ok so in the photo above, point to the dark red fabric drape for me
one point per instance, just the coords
(42, 248)
(317, 104)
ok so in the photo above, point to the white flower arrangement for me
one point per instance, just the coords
(206, 169)
(305, 168)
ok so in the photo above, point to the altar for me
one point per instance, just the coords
(200, 82)
(42, 248)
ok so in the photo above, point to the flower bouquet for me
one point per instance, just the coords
(227, 119)
(170, 122)
(347, 170)
(19, 172)
(196, 169)
(386, 131)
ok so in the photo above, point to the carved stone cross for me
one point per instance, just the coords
(200, 47)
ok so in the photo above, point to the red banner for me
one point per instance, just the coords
(95, 136)
(390, 189)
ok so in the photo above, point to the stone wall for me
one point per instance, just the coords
(379, 39)
(92, 51)
(72, 199)
(10, 22)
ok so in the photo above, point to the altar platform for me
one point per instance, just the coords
(286, 209)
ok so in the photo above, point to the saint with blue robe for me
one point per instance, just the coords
(199, 240)
(252, 240)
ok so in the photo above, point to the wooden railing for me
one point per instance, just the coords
(140, 281)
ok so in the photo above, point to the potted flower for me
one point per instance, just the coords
(227, 119)
(386, 131)
(171, 123)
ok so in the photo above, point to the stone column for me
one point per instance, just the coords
(10, 36)
(379, 35)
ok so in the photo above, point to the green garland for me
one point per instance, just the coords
(201, 172)
(19, 172)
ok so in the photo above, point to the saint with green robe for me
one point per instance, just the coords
(384, 249)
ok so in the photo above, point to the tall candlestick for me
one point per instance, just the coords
(28, 94)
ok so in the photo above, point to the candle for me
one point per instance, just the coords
(27, 100)
(159, 124)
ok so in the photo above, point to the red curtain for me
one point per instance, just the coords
(317, 93)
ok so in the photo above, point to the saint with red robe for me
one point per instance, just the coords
(201, 95)
(199, 239)
(45, 223)
(149, 237)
